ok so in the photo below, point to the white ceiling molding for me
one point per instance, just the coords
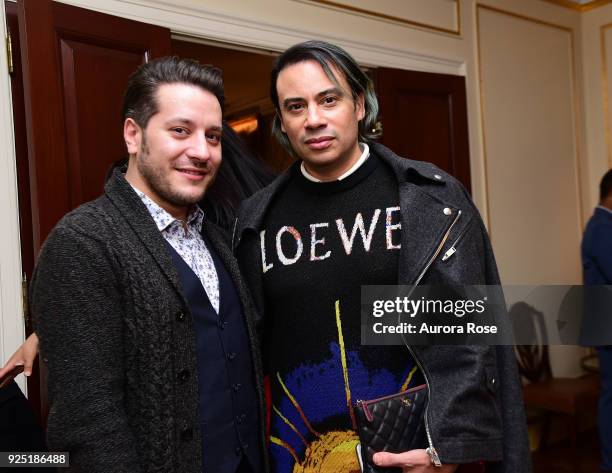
(201, 22)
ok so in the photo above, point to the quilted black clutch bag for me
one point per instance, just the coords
(391, 424)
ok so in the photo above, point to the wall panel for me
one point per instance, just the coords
(438, 15)
(529, 112)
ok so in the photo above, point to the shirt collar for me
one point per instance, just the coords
(365, 153)
(163, 219)
(604, 208)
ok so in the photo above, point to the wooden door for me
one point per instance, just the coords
(75, 65)
(424, 117)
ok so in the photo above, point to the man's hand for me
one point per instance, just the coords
(413, 461)
(24, 356)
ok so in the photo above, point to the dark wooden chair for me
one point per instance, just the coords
(571, 398)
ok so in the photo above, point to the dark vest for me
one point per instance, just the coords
(227, 398)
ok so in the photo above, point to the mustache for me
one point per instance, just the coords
(204, 165)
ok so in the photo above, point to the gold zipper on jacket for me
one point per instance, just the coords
(431, 451)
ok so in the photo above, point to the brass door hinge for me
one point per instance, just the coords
(25, 303)
(9, 51)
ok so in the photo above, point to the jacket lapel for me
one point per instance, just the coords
(424, 221)
(121, 194)
(424, 224)
(253, 211)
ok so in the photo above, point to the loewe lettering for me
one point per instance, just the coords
(288, 251)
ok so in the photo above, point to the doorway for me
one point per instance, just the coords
(68, 133)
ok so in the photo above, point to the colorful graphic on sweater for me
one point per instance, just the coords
(300, 442)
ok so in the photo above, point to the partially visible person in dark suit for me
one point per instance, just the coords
(597, 267)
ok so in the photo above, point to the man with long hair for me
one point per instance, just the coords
(349, 213)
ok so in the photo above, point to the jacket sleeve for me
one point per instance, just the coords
(601, 250)
(77, 309)
(516, 454)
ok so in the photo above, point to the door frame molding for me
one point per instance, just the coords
(12, 327)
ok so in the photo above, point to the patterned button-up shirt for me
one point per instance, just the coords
(186, 239)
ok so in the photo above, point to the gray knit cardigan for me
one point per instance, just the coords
(115, 331)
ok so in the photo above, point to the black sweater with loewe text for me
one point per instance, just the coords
(321, 242)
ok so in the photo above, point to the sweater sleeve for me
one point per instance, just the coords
(77, 310)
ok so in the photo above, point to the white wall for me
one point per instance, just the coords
(537, 139)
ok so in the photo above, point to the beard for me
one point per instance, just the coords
(160, 184)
